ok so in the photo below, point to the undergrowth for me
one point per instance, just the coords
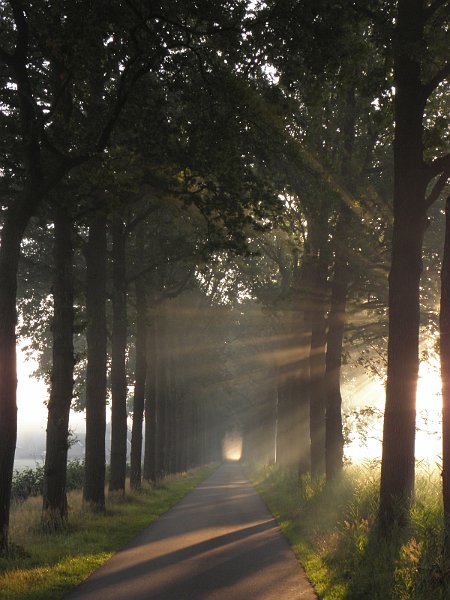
(30, 482)
(332, 529)
(43, 566)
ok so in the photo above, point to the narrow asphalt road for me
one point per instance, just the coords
(218, 543)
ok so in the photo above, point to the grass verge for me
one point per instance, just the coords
(46, 566)
(332, 530)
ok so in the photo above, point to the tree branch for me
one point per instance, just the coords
(187, 29)
(437, 188)
(131, 225)
(176, 289)
(433, 8)
(439, 77)
(20, 52)
(6, 57)
(437, 166)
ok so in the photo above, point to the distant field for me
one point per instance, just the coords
(26, 463)
(30, 463)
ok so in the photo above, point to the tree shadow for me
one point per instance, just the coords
(251, 559)
(371, 570)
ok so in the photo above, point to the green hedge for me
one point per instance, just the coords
(30, 482)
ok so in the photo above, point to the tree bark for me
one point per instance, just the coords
(397, 469)
(444, 342)
(334, 439)
(9, 261)
(161, 394)
(96, 336)
(317, 393)
(150, 447)
(54, 509)
(15, 222)
(118, 357)
(139, 386)
(293, 439)
(315, 270)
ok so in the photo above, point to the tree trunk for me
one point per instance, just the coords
(317, 393)
(150, 457)
(139, 387)
(54, 509)
(189, 416)
(161, 394)
(9, 261)
(444, 330)
(314, 281)
(96, 336)
(334, 439)
(397, 469)
(118, 357)
(293, 440)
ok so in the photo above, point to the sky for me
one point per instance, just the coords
(31, 410)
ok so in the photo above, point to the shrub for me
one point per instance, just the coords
(30, 482)
(75, 474)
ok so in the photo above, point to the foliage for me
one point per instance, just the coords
(332, 529)
(359, 423)
(30, 482)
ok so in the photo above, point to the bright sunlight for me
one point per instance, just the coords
(366, 444)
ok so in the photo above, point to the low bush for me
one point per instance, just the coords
(30, 482)
(75, 474)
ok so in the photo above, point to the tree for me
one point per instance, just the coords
(40, 158)
(141, 343)
(417, 184)
(444, 343)
(118, 356)
(334, 438)
(54, 513)
(96, 336)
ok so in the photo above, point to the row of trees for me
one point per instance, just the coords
(69, 73)
(164, 168)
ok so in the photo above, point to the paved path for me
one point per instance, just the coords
(218, 543)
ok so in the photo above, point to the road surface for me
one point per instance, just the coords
(218, 543)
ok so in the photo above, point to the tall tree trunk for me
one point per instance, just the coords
(118, 357)
(315, 270)
(139, 386)
(444, 330)
(293, 440)
(300, 392)
(15, 221)
(189, 432)
(96, 336)
(150, 447)
(334, 439)
(161, 394)
(9, 261)
(54, 509)
(397, 469)
(183, 429)
(317, 393)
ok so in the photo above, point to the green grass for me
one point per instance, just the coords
(332, 529)
(49, 566)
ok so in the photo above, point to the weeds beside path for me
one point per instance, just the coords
(332, 530)
(49, 566)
